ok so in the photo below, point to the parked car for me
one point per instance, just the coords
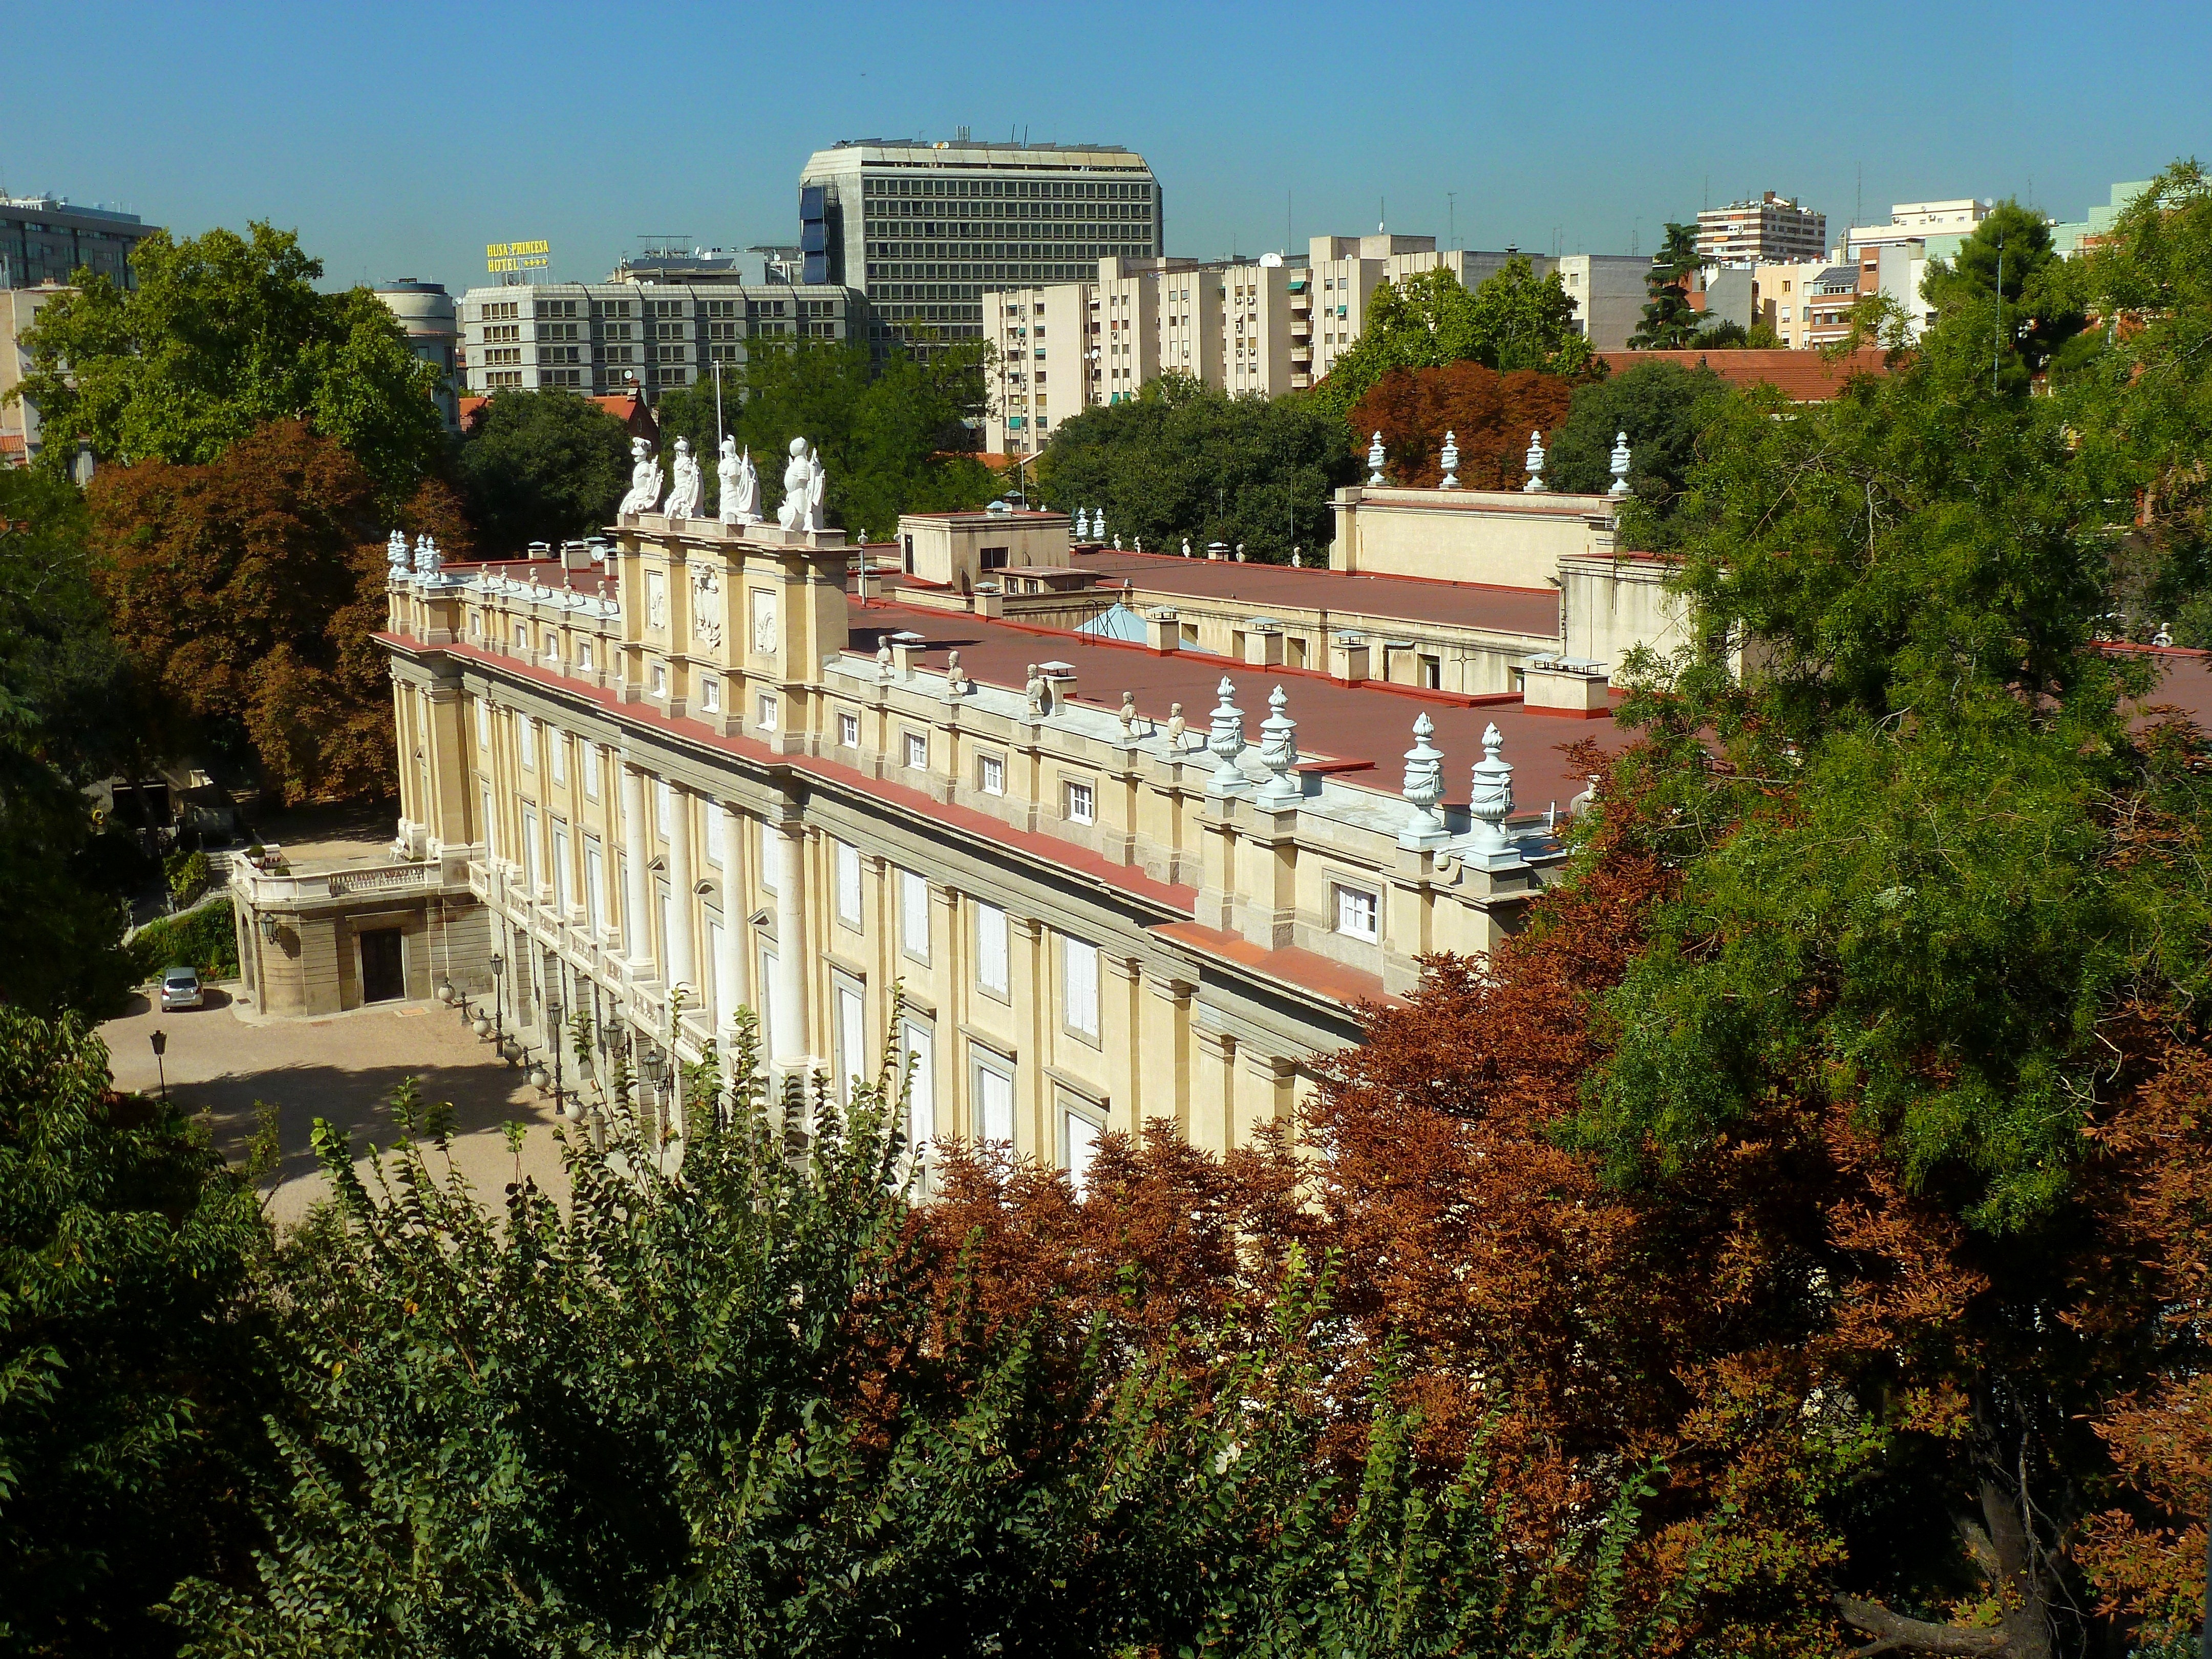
(180, 989)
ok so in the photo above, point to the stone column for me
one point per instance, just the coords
(682, 958)
(787, 1006)
(637, 855)
(730, 992)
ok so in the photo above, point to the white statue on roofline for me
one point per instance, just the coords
(684, 497)
(644, 480)
(740, 485)
(803, 485)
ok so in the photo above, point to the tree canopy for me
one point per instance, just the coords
(1490, 415)
(222, 335)
(1512, 319)
(244, 591)
(542, 465)
(1663, 407)
(1183, 459)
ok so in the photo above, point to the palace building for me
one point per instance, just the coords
(1134, 834)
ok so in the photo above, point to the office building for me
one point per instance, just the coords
(47, 240)
(608, 337)
(922, 228)
(1773, 230)
(426, 310)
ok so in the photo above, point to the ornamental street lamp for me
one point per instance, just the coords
(498, 1022)
(161, 1041)
(553, 1041)
(653, 1068)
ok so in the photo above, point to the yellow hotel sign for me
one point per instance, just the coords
(517, 256)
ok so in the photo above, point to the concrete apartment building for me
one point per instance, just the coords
(1807, 302)
(1773, 230)
(2070, 237)
(44, 241)
(1269, 325)
(922, 229)
(616, 336)
(718, 777)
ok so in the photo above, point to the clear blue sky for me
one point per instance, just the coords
(399, 138)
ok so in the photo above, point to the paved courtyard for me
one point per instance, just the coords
(222, 1058)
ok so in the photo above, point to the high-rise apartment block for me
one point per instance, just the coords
(600, 337)
(1269, 325)
(922, 228)
(1773, 230)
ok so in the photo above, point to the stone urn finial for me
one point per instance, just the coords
(1278, 748)
(1492, 802)
(1451, 461)
(1227, 743)
(1425, 788)
(1535, 462)
(1619, 465)
(1375, 459)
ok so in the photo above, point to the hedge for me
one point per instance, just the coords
(206, 938)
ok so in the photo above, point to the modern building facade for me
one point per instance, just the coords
(1274, 324)
(708, 782)
(611, 337)
(2070, 237)
(922, 228)
(426, 310)
(47, 240)
(21, 434)
(1772, 230)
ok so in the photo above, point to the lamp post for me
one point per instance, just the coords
(553, 1041)
(161, 1041)
(498, 1023)
(653, 1068)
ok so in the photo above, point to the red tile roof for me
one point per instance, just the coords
(1369, 725)
(1803, 377)
(1306, 969)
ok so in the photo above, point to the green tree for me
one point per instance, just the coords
(68, 717)
(132, 1378)
(2038, 313)
(1184, 460)
(2138, 388)
(1512, 319)
(1663, 407)
(541, 466)
(224, 334)
(1669, 323)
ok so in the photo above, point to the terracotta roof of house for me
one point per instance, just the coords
(1531, 610)
(1804, 377)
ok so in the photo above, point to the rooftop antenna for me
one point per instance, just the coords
(1858, 201)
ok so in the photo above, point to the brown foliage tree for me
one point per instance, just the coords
(1859, 1404)
(246, 590)
(1490, 414)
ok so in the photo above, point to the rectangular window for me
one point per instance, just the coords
(717, 829)
(563, 888)
(712, 980)
(994, 1087)
(1082, 807)
(1078, 1143)
(767, 858)
(849, 884)
(584, 655)
(991, 949)
(917, 1046)
(483, 819)
(991, 774)
(848, 731)
(659, 680)
(914, 915)
(917, 751)
(483, 726)
(766, 714)
(525, 741)
(588, 759)
(1080, 986)
(1356, 914)
(532, 872)
(595, 885)
(663, 808)
(710, 693)
(851, 1050)
(557, 751)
